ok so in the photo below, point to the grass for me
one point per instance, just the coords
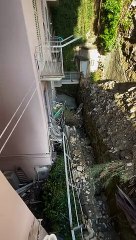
(85, 13)
(115, 17)
(72, 17)
(111, 175)
(106, 172)
(127, 21)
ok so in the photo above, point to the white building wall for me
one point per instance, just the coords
(24, 131)
(16, 222)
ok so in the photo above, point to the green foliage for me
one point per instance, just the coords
(85, 13)
(111, 12)
(97, 169)
(127, 21)
(55, 200)
(108, 171)
(95, 76)
(72, 17)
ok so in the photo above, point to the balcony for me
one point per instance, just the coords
(49, 58)
(49, 61)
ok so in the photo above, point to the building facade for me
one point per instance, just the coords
(28, 68)
(17, 222)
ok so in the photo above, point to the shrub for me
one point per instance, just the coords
(55, 200)
(110, 16)
(95, 76)
(127, 21)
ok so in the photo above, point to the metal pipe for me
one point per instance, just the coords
(64, 45)
(73, 191)
(67, 38)
(24, 189)
(68, 190)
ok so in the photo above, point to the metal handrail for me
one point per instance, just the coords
(49, 59)
(71, 76)
(71, 188)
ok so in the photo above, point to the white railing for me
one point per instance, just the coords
(72, 192)
(49, 59)
(71, 77)
(55, 131)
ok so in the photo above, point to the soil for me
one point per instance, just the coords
(117, 68)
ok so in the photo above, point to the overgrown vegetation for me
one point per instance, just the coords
(107, 171)
(109, 176)
(72, 17)
(127, 21)
(55, 202)
(95, 76)
(85, 14)
(110, 17)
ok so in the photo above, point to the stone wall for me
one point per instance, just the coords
(109, 114)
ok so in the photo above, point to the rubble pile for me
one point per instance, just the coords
(110, 120)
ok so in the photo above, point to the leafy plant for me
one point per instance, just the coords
(110, 16)
(106, 172)
(55, 200)
(95, 76)
(127, 21)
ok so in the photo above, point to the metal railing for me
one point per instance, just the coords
(76, 215)
(72, 192)
(49, 59)
(55, 131)
(71, 77)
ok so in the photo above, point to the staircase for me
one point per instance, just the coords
(49, 59)
(23, 179)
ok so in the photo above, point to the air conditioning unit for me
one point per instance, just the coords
(12, 178)
(42, 171)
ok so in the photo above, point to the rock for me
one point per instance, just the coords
(101, 235)
(90, 222)
(87, 237)
(129, 164)
(79, 168)
(133, 109)
(73, 140)
(90, 231)
(87, 192)
(133, 4)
